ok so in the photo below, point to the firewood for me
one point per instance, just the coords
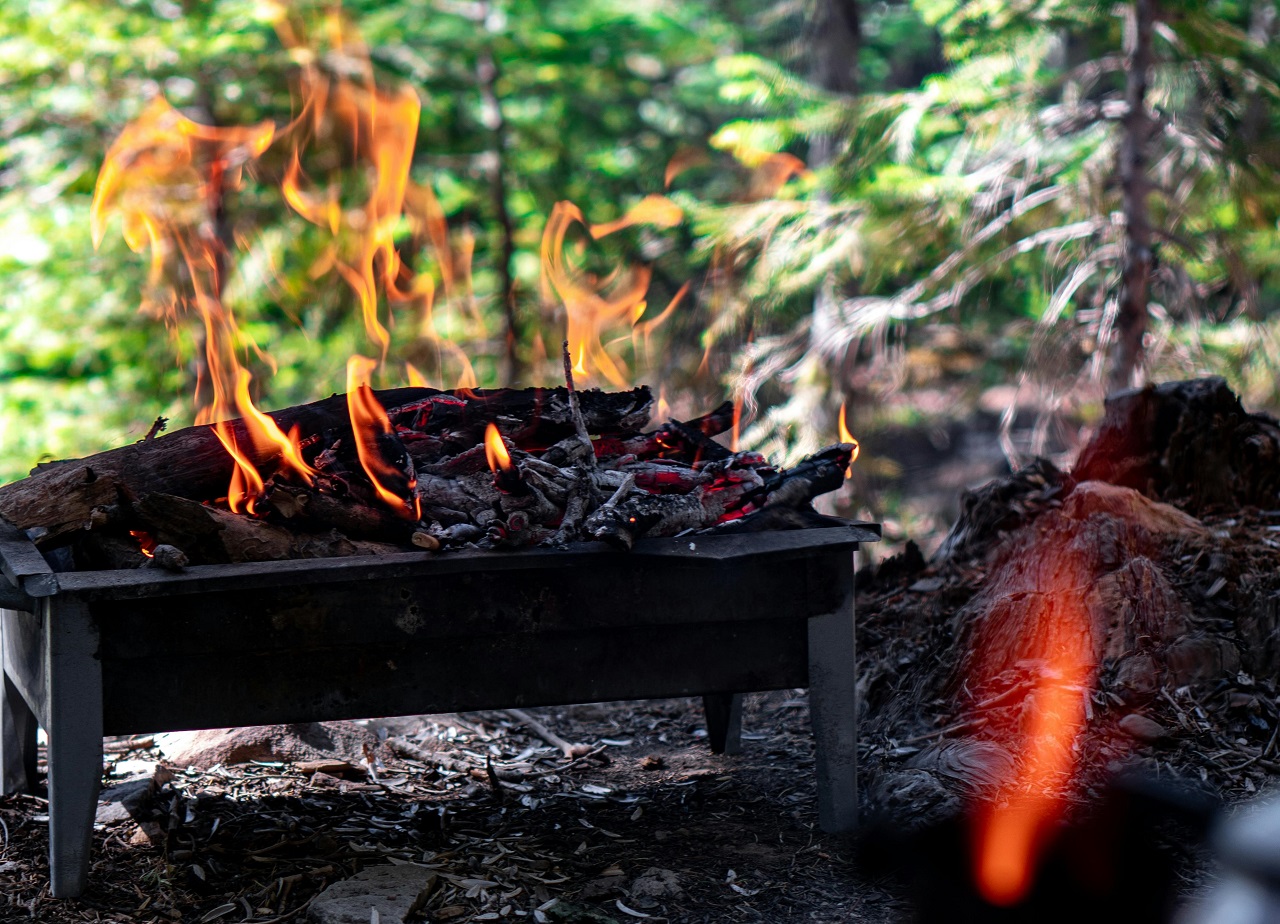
(647, 514)
(311, 509)
(59, 497)
(61, 501)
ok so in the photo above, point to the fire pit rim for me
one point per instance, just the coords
(38, 580)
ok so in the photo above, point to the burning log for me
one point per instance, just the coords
(60, 497)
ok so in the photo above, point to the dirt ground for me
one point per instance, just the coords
(649, 825)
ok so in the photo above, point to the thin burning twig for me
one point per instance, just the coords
(579, 424)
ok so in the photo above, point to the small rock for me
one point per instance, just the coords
(124, 801)
(654, 886)
(927, 585)
(602, 887)
(1137, 678)
(652, 762)
(390, 890)
(1142, 728)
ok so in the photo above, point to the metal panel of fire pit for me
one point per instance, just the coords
(123, 652)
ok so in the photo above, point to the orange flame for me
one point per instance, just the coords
(146, 543)
(845, 437)
(594, 307)
(166, 175)
(369, 421)
(735, 434)
(381, 126)
(495, 450)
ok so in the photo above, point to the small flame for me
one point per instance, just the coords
(735, 433)
(414, 376)
(146, 543)
(651, 210)
(845, 437)
(663, 410)
(495, 450)
(369, 421)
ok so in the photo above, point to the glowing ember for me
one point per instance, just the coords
(395, 486)
(495, 450)
(146, 544)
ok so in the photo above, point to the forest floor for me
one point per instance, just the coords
(649, 826)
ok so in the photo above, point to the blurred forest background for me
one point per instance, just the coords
(963, 219)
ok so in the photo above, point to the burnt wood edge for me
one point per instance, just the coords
(27, 573)
(777, 546)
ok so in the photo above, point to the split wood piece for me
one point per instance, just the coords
(311, 509)
(62, 502)
(575, 410)
(60, 497)
(212, 536)
(729, 489)
(670, 436)
(568, 749)
(532, 417)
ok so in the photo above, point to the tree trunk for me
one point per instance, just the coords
(1135, 274)
(488, 73)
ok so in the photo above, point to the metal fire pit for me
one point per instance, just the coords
(126, 652)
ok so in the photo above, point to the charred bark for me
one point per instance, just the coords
(59, 498)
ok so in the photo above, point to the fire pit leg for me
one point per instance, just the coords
(74, 705)
(17, 730)
(833, 709)
(724, 722)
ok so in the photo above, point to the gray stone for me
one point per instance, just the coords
(124, 801)
(389, 890)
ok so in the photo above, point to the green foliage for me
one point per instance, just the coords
(988, 192)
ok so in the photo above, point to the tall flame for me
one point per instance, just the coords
(369, 421)
(845, 437)
(595, 307)
(167, 177)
